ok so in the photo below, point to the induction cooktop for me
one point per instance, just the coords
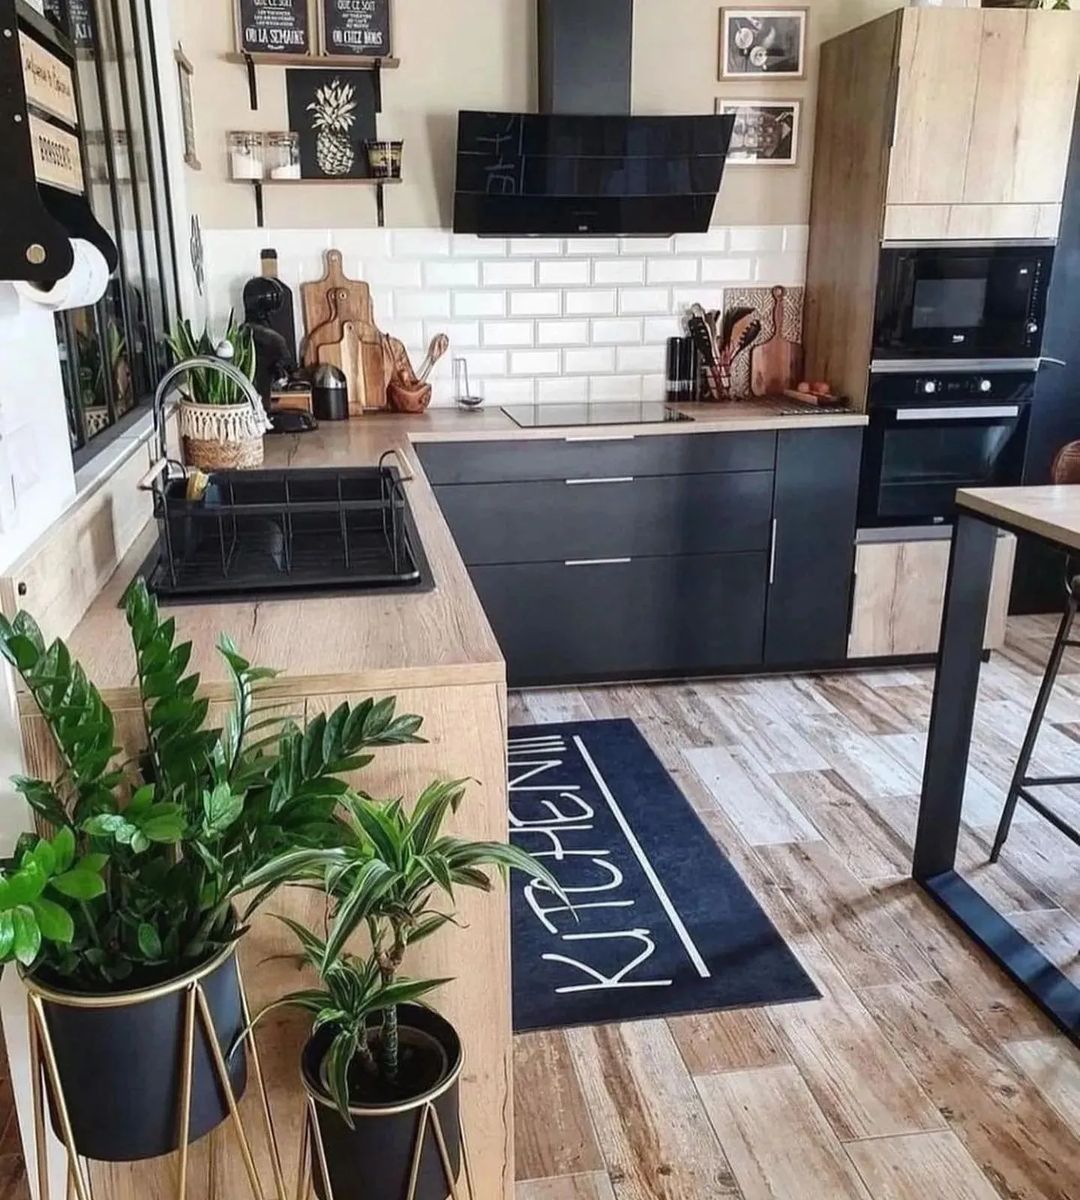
(553, 416)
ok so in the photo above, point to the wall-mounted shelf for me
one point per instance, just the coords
(308, 62)
(258, 184)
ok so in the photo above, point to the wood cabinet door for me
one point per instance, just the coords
(900, 597)
(985, 106)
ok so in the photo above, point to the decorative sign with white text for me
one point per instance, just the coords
(360, 27)
(273, 26)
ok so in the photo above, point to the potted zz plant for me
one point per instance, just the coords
(125, 922)
(381, 1069)
(221, 427)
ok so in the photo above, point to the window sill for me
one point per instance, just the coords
(127, 437)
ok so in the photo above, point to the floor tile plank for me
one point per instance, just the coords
(920, 1166)
(777, 1141)
(1018, 1140)
(728, 1041)
(554, 1131)
(594, 1186)
(1053, 1066)
(652, 1127)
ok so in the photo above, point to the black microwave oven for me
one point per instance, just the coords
(962, 300)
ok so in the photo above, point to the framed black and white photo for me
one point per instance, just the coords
(760, 42)
(766, 132)
(184, 73)
(333, 112)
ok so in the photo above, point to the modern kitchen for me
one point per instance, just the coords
(536, 600)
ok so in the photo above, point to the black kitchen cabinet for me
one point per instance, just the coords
(817, 483)
(649, 516)
(647, 617)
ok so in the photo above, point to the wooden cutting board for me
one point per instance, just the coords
(775, 365)
(361, 354)
(328, 303)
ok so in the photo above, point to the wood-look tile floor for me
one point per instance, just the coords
(923, 1073)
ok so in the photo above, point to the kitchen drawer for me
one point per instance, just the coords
(610, 621)
(593, 456)
(619, 518)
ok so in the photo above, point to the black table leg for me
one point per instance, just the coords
(967, 601)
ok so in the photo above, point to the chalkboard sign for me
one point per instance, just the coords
(73, 16)
(356, 27)
(273, 26)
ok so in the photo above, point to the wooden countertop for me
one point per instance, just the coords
(362, 641)
(1051, 512)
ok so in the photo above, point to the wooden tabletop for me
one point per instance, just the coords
(363, 641)
(1051, 512)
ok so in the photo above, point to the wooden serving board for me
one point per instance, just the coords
(361, 353)
(775, 365)
(812, 397)
(328, 303)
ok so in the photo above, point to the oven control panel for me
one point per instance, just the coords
(951, 387)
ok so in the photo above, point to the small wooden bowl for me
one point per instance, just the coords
(408, 398)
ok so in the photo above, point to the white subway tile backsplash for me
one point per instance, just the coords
(592, 247)
(588, 362)
(659, 329)
(421, 243)
(558, 319)
(645, 300)
(479, 304)
(752, 239)
(618, 271)
(534, 362)
(462, 334)
(508, 333)
(622, 331)
(640, 359)
(615, 387)
(507, 391)
(562, 333)
(564, 390)
(536, 247)
(535, 304)
(727, 270)
(452, 274)
(483, 363)
(671, 270)
(638, 246)
(564, 272)
(422, 304)
(388, 272)
(599, 302)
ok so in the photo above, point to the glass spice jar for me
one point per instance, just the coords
(246, 150)
(283, 155)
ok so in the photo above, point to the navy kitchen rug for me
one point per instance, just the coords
(663, 925)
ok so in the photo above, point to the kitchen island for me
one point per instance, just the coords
(436, 652)
(1051, 514)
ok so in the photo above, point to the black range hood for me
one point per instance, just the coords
(585, 166)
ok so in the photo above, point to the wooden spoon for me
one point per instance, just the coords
(439, 346)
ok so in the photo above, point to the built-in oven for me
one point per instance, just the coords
(961, 299)
(935, 430)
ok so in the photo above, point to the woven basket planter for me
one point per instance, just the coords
(220, 437)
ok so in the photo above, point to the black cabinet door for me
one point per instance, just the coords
(817, 486)
(646, 617)
(596, 456)
(642, 517)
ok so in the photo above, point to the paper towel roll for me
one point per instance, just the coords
(85, 284)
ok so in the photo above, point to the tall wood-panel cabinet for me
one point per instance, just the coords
(933, 123)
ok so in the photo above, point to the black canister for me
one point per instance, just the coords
(329, 394)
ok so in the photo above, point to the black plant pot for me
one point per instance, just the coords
(120, 1060)
(374, 1161)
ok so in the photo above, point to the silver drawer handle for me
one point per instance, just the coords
(599, 437)
(976, 413)
(596, 562)
(590, 482)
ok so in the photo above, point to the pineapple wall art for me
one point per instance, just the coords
(334, 114)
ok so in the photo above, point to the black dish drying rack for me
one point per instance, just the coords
(279, 530)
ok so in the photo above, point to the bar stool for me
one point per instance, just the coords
(1022, 782)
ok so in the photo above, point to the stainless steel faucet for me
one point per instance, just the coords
(206, 363)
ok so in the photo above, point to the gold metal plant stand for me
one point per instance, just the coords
(311, 1145)
(45, 1074)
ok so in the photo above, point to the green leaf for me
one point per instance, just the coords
(27, 883)
(27, 935)
(79, 884)
(165, 825)
(338, 1061)
(221, 808)
(45, 858)
(7, 936)
(53, 920)
(370, 883)
(149, 942)
(64, 848)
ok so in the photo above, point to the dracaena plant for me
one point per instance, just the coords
(397, 886)
(179, 846)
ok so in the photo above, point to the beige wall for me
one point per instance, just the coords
(482, 54)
